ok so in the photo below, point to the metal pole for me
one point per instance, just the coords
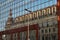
(28, 23)
(28, 29)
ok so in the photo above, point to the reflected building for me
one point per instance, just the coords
(43, 20)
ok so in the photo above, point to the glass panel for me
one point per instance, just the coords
(42, 37)
(15, 36)
(46, 38)
(6, 37)
(45, 24)
(55, 22)
(50, 23)
(40, 24)
(32, 35)
(54, 37)
(23, 35)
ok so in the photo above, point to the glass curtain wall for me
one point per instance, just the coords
(18, 7)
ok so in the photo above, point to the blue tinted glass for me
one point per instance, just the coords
(18, 7)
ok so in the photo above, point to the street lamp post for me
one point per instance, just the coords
(28, 23)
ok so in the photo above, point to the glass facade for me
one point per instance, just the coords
(47, 26)
(23, 35)
(18, 7)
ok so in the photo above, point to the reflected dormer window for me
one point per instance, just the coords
(42, 12)
(26, 17)
(48, 11)
(39, 14)
(54, 10)
(30, 15)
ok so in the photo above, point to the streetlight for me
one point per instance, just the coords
(28, 22)
(3, 36)
(28, 10)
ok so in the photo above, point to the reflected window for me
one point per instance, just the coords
(49, 11)
(23, 18)
(55, 22)
(35, 15)
(30, 15)
(39, 14)
(54, 9)
(54, 29)
(26, 17)
(46, 30)
(23, 35)
(46, 38)
(45, 24)
(20, 19)
(49, 30)
(43, 12)
(15, 36)
(42, 31)
(54, 37)
(42, 37)
(32, 35)
(40, 24)
(50, 23)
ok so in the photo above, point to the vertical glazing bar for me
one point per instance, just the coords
(58, 14)
(37, 34)
(0, 37)
(18, 36)
(28, 28)
(11, 36)
(58, 27)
